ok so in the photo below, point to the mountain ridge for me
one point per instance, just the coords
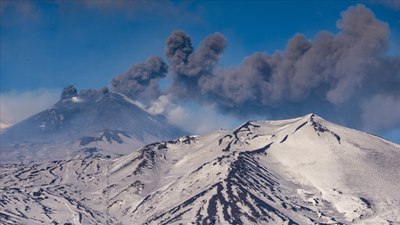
(299, 171)
(76, 116)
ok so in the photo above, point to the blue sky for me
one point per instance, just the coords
(46, 45)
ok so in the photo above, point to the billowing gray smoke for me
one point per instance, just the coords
(69, 92)
(187, 66)
(335, 75)
(339, 64)
(142, 80)
(185, 62)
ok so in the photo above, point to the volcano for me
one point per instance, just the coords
(76, 120)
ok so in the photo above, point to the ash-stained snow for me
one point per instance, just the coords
(299, 171)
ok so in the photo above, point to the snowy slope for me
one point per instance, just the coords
(57, 129)
(299, 171)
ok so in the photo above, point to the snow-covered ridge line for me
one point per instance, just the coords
(55, 132)
(299, 171)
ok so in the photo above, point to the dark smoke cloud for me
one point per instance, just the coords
(178, 48)
(185, 62)
(337, 63)
(188, 66)
(332, 70)
(94, 94)
(339, 75)
(142, 80)
(69, 92)
(86, 94)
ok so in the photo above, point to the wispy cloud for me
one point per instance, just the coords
(381, 112)
(193, 118)
(200, 119)
(176, 10)
(18, 105)
(393, 4)
(16, 12)
(13, 12)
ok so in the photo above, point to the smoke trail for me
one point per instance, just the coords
(142, 80)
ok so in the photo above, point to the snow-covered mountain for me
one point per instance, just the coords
(93, 118)
(298, 171)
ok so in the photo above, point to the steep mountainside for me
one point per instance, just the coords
(91, 116)
(299, 171)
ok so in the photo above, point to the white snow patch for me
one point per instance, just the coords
(76, 99)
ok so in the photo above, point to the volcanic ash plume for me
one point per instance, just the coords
(142, 80)
(333, 74)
